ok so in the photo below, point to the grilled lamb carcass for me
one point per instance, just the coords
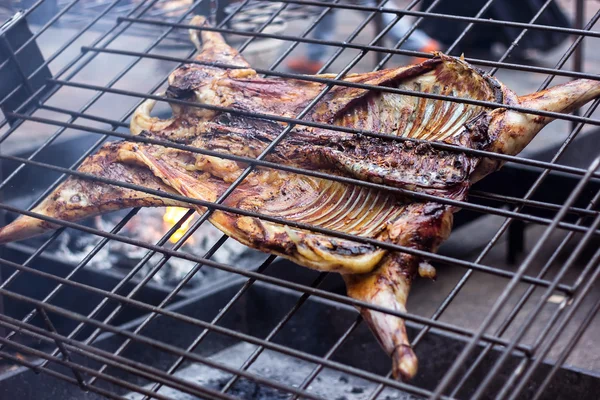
(372, 274)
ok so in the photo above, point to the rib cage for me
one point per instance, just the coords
(331, 205)
(413, 117)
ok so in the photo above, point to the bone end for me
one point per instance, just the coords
(405, 363)
(198, 20)
(24, 227)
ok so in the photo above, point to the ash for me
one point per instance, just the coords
(148, 226)
(329, 384)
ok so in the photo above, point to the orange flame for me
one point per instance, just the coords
(171, 217)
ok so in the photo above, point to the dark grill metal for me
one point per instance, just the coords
(115, 370)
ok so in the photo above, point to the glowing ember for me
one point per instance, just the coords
(171, 217)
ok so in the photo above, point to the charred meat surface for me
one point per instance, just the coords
(372, 274)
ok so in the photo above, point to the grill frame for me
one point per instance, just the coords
(65, 346)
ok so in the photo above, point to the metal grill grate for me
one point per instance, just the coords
(117, 369)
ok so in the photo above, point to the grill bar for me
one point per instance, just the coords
(256, 353)
(304, 34)
(13, 59)
(268, 279)
(57, 53)
(521, 35)
(132, 273)
(59, 132)
(119, 226)
(32, 366)
(60, 346)
(522, 300)
(464, 279)
(341, 129)
(71, 274)
(405, 192)
(473, 193)
(272, 117)
(538, 182)
(579, 20)
(194, 357)
(198, 340)
(532, 315)
(92, 352)
(72, 346)
(535, 186)
(215, 320)
(356, 46)
(574, 307)
(503, 23)
(38, 33)
(69, 66)
(561, 359)
(374, 242)
(246, 172)
(315, 372)
(512, 284)
(560, 151)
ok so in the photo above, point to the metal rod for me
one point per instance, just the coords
(58, 375)
(343, 44)
(197, 341)
(279, 282)
(529, 193)
(402, 12)
(522, 301)
(333, 82)
(195, 357)
(71, 64)
(97, 354)
(71, 274)
(259, 350)
(447, 379)
(41, 30)
(510, 215)
(101, 244)
(414, 26)
(238, 211)
(131, 274)
(561, 328)
(165, 258)
(12, 57)
(61, 347)
(532, 315)
(470, 26)
(567, 350)
(437, 145)
(315, 372)
(252, 161)
(521, 35)
(192, 347)
(151, 3)
(57, 53)
(578, 58)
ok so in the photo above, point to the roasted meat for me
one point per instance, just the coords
(372, 274)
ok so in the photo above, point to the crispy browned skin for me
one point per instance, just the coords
(372, 274)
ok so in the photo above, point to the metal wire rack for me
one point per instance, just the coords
(112, 372)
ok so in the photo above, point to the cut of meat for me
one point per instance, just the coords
(372, 274)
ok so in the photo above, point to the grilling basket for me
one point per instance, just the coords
(356, 173)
